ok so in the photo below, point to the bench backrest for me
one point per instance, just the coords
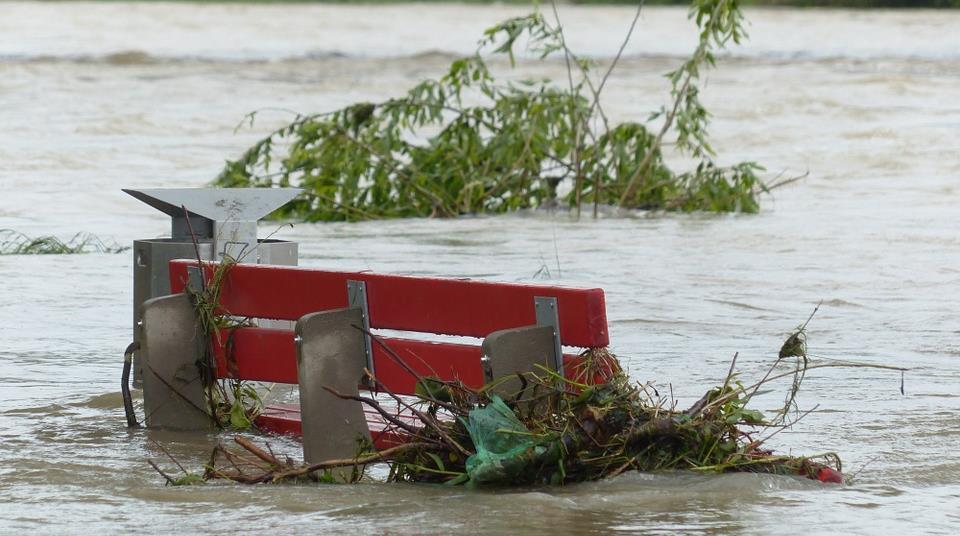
(416, 304)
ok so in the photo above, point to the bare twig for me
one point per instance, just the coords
(165, 451)
(623, 46)
(256, 451)
(375, 405)
(786, 425)
(788, 180)
(351, 462)
(426, 418)
(574, 115)
(730, 372)
(169, 480)
(196, 248)
(634, 182)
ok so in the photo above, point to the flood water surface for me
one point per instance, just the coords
(97, 97)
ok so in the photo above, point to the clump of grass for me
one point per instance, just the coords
(232, 403)
(17, 243)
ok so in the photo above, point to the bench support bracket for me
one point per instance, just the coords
(515, 351)
(330, 354)
(195, 279)
(548, 314)
(357, 297)
(171, 346)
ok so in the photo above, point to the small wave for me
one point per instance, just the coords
(135, 57)
(49, 410)
(129, 57)
(689, 484)
(118, 58)
(123, 57)
(104, 401)
(435, 54)
(837, 302)
(739, 305)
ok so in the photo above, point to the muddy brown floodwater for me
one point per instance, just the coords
(95, 97)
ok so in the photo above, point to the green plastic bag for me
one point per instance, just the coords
(502, 443)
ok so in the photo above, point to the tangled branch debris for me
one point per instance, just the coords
(555, 430)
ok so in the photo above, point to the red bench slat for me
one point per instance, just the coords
(431, 305)
(258, 354)
(443, 360)
(270, 355)
(284, 419)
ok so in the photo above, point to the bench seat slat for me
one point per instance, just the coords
(270, 355)
(431, 305)
(284, 419)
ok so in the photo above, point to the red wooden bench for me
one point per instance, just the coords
(426, 305)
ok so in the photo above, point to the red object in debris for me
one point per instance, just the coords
(828, 475)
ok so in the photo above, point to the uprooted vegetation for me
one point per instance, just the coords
(549, 429)
(17, 243)
(467, 143)
(232, 404)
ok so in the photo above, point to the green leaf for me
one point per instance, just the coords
(436, 459)
(751, 416)
(238, 417)
(432, 387)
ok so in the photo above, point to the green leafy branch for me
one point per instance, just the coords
(466, 143)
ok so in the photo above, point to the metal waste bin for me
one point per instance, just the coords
(219, 222)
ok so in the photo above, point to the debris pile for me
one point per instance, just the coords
(554, 430)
